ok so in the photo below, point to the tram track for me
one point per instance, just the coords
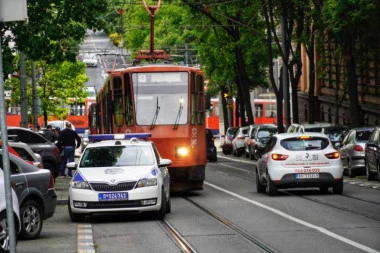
(182, 243)
(239, 231)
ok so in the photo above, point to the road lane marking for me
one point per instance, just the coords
(85, 241)
(304, 223)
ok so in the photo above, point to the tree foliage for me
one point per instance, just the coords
(58, 83)
(354, 26)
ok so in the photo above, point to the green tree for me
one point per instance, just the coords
(354, 24)
(58, 83)
(235, 48)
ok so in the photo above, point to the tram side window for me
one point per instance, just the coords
(200, 100)
(197, 99)
(193, 119)
(118, 101)
(258, 110)
(128, 101)
(270, 110)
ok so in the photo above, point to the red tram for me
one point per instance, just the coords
(165, 100)
(264, 110)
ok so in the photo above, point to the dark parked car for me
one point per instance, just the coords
(227, 144)
(48, 151)
(259, 139)
(372, 155)
(210, 146)
(336, 133)
(35, 191)
(352, 150)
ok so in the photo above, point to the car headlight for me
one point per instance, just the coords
(80, 185)
(181, 151)
(145, 182)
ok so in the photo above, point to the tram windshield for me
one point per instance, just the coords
(161, 98)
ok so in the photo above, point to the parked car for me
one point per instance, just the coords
(302, 128)
(248, 139)
(352, 150)
(35, 191)
(48, 151)
(210, 146)
(259, 139)
(298, 160)
(119, 176)
(372, 155)
(84, 140)
(26, 153)
(4, 229)
(336, 133)
(228, 138)
(238, 141)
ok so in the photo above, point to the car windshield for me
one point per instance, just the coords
(298, 144)
(232, 131)
(265, 133)
(335, 133)
(131, 155)
(363, 136)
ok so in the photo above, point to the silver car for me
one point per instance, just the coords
(4, 232)
(36, 194)
(352, 150)
(238, 141)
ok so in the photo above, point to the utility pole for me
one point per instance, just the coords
(285, 74)
(24, 100)
(34, 94)
(10, 11)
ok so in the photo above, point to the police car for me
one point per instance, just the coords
(124, 174)
(299, 160)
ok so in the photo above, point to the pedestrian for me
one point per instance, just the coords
(50, 134)
(66, 143)
(36, 128)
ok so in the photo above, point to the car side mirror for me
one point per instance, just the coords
(165, 162)
(71, 165)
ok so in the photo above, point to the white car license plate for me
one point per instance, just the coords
(307, 176)
(113, 196)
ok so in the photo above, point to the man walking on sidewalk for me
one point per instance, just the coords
(66, 143)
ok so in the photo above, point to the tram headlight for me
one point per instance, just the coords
(181, 151)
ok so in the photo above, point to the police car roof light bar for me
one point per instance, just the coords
(103, 137)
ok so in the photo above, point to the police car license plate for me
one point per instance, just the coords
(307, 176)
(113, 196)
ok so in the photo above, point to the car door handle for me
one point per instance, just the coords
(19, 184)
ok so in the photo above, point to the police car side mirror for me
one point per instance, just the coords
(165, 162)
(71, 165)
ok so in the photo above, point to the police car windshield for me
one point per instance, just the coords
(131, 155)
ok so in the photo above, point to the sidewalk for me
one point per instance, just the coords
(62, 185)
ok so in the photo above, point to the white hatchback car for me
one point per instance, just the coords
(299, 160)
(4, 232)
(119, 176)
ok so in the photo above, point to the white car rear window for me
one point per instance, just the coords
(299, 144)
